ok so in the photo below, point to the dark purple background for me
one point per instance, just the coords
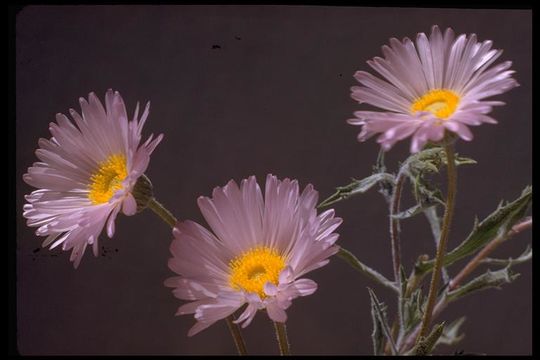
(272, 96)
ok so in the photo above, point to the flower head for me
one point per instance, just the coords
(256, 255)
(439, 84)
(86, 174)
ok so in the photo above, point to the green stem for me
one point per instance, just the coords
(281, 335)
(394, 227)
(162, 212)
(396, 245)
(441, 249)
(169, 218)
(237, 336)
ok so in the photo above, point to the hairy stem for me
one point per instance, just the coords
(162, 212)
(441, 249)
(281, 335)
(396, 245)
(237, 336)
(394, 227)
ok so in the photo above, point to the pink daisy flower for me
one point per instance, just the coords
(439, 84)
(257, 254)
(87, 173)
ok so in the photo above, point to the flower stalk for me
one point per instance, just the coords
(162, 212)
(281, 336)
(237, 336)
(394, 226)
(395, 241)
(441, 249)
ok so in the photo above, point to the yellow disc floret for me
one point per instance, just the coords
(440, 102)
(251, 270)
(107, 179)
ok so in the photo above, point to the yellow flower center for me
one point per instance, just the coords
(107, 179)
(251, 270)
(440, 102)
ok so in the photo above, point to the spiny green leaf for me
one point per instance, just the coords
(367, 183)
(497, 223)
(431, 160)
(385, 187)
(412, 310)
(524, 257)
(465, 161)
(379, 166)
(426, 344)
(417, 166)
(353, 261)
(401, 296)
(425, 193)
(356, 187)
(435, 225)
(412, 211)
(403, 279)
(434, 222)
(381, 330)
(450, 334)
(490, 279)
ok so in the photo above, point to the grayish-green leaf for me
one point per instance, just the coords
(497, 223)
(524, 257)
(412, 211)
(450, 335)
(401, 299)
(356, 187)
(435, 225)
(490, 279)
(432, 159)
(412, 310)
(425, 345)
(381, 330)
(426, 193)
(417, 166)
(386, 188)
(403, 279)
(366, 270)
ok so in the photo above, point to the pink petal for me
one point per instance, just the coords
(129, 205)
(276, 313)
(461, 129)
(110, 222)
(270, 289)
(247, 316)
(304, 287)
